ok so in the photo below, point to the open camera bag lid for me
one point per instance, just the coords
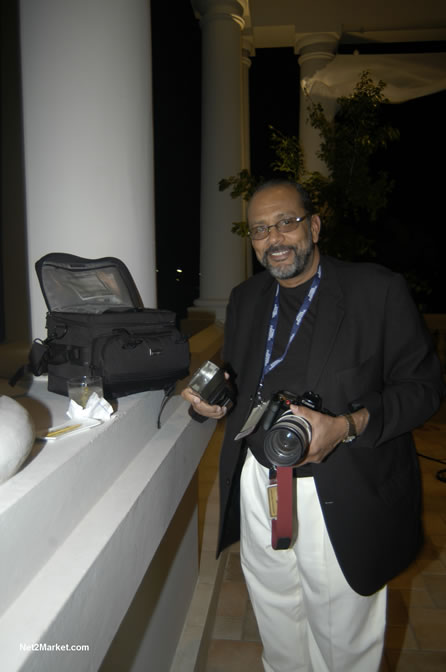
(97, 325)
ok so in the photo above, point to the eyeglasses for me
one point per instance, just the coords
(284, 226)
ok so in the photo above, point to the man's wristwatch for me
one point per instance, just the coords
(352, 432)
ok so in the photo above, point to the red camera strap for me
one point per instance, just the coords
(282, 526)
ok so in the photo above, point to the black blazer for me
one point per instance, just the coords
(369, 346)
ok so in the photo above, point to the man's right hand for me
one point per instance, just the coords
(201, 407)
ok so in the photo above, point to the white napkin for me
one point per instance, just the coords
(97, 407)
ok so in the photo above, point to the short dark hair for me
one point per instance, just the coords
(307, 203)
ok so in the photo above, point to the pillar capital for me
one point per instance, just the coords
(213, 10)
(316, 46)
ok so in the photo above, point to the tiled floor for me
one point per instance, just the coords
(416, 622)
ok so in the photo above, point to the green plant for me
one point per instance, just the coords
(355, 191)
(242, 186)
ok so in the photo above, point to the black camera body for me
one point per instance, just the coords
(210, 384)
(288, 436)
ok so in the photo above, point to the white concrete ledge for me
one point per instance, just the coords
(80, 525)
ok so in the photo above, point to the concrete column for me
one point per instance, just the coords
(86, 75)
(315, 52)
(247, 52)
(222, 253)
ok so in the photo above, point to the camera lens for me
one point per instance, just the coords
(286, 443)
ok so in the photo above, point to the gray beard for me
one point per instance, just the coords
(299, 264)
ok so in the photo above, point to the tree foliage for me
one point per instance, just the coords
(355, 189)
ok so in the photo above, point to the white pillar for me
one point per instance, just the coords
(316, 51)
(88, 136)
(222, 252)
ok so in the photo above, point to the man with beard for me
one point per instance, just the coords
(320, 538)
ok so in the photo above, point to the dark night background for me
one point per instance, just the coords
(408, 236)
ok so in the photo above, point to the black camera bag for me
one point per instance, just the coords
(97, 325)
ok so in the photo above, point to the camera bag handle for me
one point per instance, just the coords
(38, 357)
(282, 525)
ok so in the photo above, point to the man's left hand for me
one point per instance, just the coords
(327, 433)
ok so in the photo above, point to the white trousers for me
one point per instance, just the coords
(309, 618)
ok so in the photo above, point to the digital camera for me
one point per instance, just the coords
(210, 384)
(288, 436)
